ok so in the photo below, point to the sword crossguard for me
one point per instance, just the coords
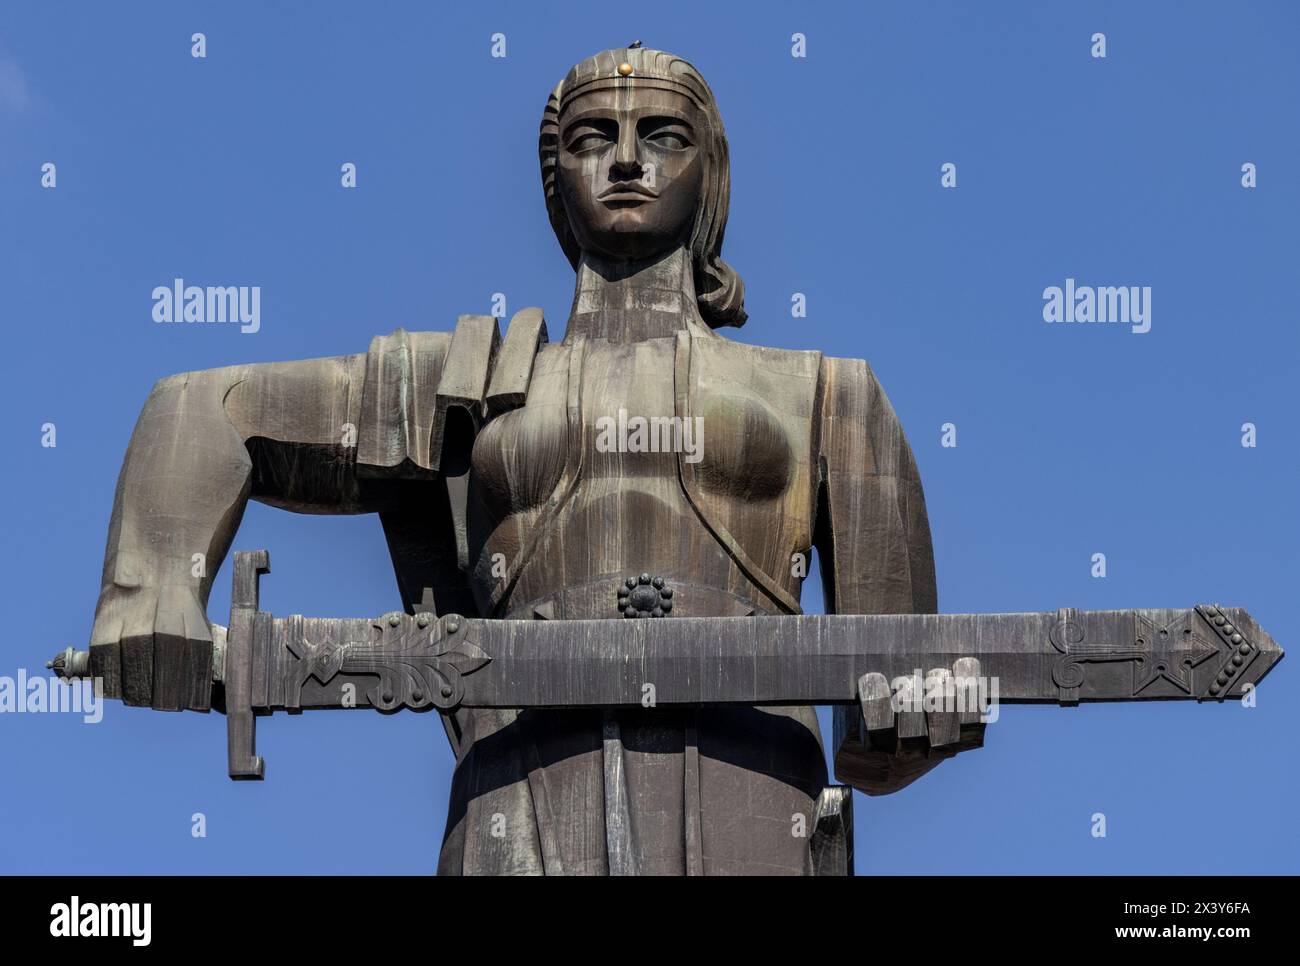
(244, 764)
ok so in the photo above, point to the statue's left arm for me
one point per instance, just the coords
(872, 537)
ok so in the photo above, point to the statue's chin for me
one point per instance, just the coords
(629, 239)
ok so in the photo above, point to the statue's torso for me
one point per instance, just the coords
(657, 790)
(628, 512)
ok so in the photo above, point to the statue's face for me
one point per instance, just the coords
(631, 170)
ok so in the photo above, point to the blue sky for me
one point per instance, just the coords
(1072, 439)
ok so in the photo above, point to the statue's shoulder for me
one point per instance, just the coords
(416, 382)
(720, 344)
(756, 362)
(843, 387)
(858, 423)
(848, 378)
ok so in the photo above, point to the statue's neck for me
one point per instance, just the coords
(633, 301)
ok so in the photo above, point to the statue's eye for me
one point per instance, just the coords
(587, 135)
(666, 132)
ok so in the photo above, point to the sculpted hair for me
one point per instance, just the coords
(720, 293)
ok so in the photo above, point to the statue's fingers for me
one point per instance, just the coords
(909, 715)
(136, 655)
(135, 668)
(878, 724)
(170, 656)
(106, 652)
(942, 722)
(968, 683)
(912, 724)
(197, 685)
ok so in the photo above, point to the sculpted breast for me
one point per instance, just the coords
(518, 458)
(745, 452)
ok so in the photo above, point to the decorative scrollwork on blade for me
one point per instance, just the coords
(420, 661)
(1067, 636)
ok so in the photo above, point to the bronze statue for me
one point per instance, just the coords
(643, 466)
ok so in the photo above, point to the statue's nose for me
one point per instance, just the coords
(626, 160)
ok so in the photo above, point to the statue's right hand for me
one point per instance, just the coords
(163, 642)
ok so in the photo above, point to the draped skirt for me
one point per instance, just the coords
(707, 791)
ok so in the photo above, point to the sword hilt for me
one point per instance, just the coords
(232, 666)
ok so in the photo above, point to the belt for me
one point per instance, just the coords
(639, 595)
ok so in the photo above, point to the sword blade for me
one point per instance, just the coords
(1065, 657)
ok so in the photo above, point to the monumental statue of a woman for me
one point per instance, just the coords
(642, 466)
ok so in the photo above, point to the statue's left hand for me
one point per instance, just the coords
(900, 731)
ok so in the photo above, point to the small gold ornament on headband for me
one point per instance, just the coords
(624, 69)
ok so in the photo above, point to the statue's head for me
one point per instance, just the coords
(635, 164)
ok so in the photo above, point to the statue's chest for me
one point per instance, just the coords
(632, 428)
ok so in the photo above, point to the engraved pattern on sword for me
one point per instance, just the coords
(419, 660)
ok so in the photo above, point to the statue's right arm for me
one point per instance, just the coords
(205, 442)
(350, 434)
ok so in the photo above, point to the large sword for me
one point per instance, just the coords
(426, 662)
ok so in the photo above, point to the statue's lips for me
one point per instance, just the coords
(626, 201)
(626, 194)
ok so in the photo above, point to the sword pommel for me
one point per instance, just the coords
(70, 664)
